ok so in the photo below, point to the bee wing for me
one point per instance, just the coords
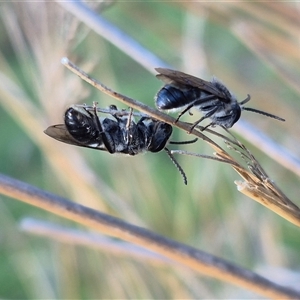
(171, 76)
(59, 132)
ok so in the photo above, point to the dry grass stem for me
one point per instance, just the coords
(261, 188)
(255, 177)
(136, 104)
(149, 60)
(225, 13)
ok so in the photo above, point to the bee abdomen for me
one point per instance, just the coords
(171, 97)
(81, 127)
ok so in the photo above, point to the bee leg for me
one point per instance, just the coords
(195, 124)
(128, 124)
(210, 124)
(105, 136)
(183, 112)
(208, 115)
(183, 142)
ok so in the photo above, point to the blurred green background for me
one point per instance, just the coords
(252, 47)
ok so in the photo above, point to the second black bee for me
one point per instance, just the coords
(213, 99)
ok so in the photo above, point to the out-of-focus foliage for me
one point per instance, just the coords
(234, 41)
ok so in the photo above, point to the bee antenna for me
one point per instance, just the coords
(177, 165)
(184, 142)
(245, 100)
(263, 113)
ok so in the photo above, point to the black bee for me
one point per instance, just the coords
(213, 99)
(82, 127)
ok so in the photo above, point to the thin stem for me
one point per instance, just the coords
(188, 256)
(149, 61)
(183, 152)
(154, 113)
(290, 212)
